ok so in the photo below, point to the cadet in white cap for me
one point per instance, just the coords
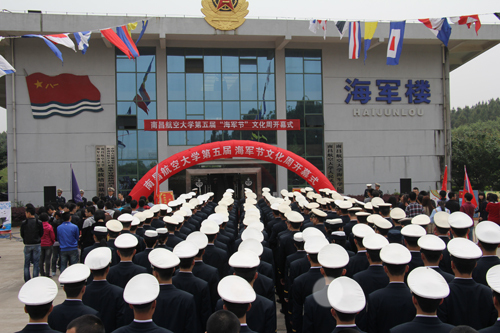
(359, 262)
(114, 229)
(382, 225)
(392, 305)
(178, 304)
(476, 305)
(126, 220)
(156, 221)
(488, 235)
(374, 277)
(300, 257)
(493, 279)
(280, 226)
(442, 229)
(431, 251)
(141, 293)
(411, 235)
(353, 220)
(214, 256)
(37, 295)
(172, 223)
(121, 273)
(428, 289)
(141, 259)
(238, 296)
(397, 214)
(102, 296)
(318, 217)
(100, 236)
(346, 299)
(317, 315)
(302, 286)
(73, 280)
(460, 224)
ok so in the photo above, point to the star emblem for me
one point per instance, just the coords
(223, 3)
(38, 84)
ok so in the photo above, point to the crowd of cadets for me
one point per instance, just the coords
(331, 263)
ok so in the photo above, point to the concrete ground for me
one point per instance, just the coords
(11, 281)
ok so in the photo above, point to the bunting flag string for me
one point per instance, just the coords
(439, 27)
(82, 39)
(5, 67)
(370, 28)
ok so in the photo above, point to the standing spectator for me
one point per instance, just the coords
(413, 208)
(481, 206)
(377, 188)
(68, 236)
(46, 243)
(493, 209)
(452, 204)
(427, 205)
(60, 199)
(404, 200)
(467, 207)
(56, 250)
(31, 233)
(440, 208)
(84, 200)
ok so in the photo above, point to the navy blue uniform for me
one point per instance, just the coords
(317, 313)
(65, 312)
(211, 276)
(147, 327)
(217, 258)
(37, 328)
(176, 310)
(120, 274)
(301, 288)
(483, 265)
(357, 263)
(423, 324)
(371, 279)
(492, 329)
(448, 277)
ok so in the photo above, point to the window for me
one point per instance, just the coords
(304, 101)
(220, 84)
(135, 102)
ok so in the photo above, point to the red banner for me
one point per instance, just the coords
(222, 125)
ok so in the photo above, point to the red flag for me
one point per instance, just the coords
(468, 187)
(113, 38)
(140, 103)
(468, 20)
(445, 179)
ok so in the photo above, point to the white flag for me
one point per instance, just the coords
(5, 67)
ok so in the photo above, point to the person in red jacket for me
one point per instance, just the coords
(493, 209)
(46, 243)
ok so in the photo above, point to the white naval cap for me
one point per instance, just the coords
(256, 225)
(141, 216)
(39, 290)
(151, 234)
(493, 278)
(161, 231)
(163, 258)
(199, 239)
(141, 289)
(98, 258)
(171, 220)
(441, 220)
(235, 289)
(374, 241)
(344, 204)
(294, 217)
(311, 232)
(114, 225)
(397, 213)
(125, 218)
(395, 254)
(209, 227)
(431, 243)
(312, 205)
(460, 220)
(186, 249)
(427, 283)
(488, 232)
(244, 259)
(148, 214)
(333, 256)
(284, 208)
(252, 245)
(346, 296)
(338, 235)
(275, 206)
(368, 205)
(126, 241)
(376, 201)
(315, 244)
(179, 218)
(413, 230)
(219, 217)
(99, 230)
(252, 233)
(334, 221)
(74, 274)
(155, 209)
(464, 249)
(135, 221)
(317, 212)
(362, 230)
(421, 219)
(298, 237)
(363, 214)
(381, 222)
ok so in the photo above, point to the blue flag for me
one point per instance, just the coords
(75, 190)
(395, 45)
(144, 26)
(52, 46)
(82, 39)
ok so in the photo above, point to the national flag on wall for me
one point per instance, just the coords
(439, 27)
(395, 46)
(75, 190)
(65, 95)
(342, 27)
(468, 187)
(82, 39)
(354, 39)
(5, 67)
(370, 28)
(61, 39)
(469, 20)
(444, 186)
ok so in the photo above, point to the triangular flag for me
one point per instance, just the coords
(370, 28)
(468, 187)
(122, 32)
(342, 27)
(61, 39)
(313, 26)
(49, 44)
(469, 20)
(497, 15)
(439, 27)
(5, 67)
(144, 26)
(82, 39)
(113, 38)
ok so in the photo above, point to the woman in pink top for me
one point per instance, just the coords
(493, 209)
(46, 243)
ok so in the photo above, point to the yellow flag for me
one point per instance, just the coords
(130, 27)
(370, 28)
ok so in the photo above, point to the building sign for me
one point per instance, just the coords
(221, 125)
(373, 112)
(335, 164)
(105, 158)
(417, 92)
(225, 14)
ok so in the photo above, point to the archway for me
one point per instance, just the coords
(229, 149)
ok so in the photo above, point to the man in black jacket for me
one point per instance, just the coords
(31, 233)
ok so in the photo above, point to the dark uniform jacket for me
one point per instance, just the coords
(142, 259)
(469, 303)
(264, 287)
(148, 327)
(301, 288)
(389, 307)
(157, 223)
(492, 329)
(339, 329)
(416, 261)
(37, 328)
(107, 299)
(357, 263)
(176, 310)
(371, 279)
(115, 259)
(317, 313)
(245, 329)
(447, 276)
(65, 312)
(217, 258)
(483, 265)
(423, 324)
(211, 276)
(120, 274)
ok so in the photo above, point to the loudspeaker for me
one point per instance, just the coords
(49, 194)
(404, 185)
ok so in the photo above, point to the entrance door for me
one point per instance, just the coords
(218, 180)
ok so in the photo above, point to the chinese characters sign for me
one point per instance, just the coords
(105, 157)
(230, 149)
(335, 164)
(221, 125)
(388, 91)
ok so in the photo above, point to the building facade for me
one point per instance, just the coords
(360, 122)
